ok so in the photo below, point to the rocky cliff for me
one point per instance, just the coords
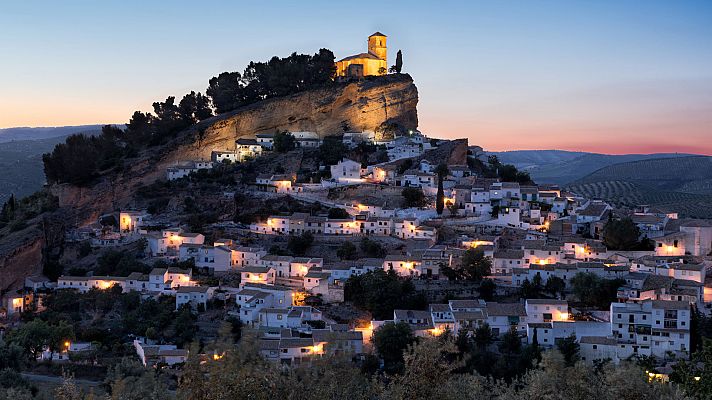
(371, 104)
(356, 106)
(23, 253)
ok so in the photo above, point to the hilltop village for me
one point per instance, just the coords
(360, 243)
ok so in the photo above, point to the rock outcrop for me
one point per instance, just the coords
(371, 104)
(357, 106)
(24, 252)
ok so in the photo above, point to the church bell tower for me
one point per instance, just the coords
(377, 46)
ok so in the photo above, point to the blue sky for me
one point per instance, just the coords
(610, 76)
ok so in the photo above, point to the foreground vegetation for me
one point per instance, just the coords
(430, 371)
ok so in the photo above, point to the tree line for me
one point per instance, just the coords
(431, 370)
(82, 158)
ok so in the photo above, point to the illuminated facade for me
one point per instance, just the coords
(373, 62)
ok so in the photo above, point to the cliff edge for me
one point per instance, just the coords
(370, 105)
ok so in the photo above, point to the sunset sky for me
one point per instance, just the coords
(605, 76)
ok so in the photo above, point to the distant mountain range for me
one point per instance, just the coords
(21, 152)
(23, 133)
(562, 167)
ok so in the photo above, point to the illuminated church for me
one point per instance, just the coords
(374, 62)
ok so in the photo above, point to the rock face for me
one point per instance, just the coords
(366, 105)
(23, 259)
(22, 253)
(356, 106)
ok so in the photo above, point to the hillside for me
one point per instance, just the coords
(525, 159)
(562, 167)
(684, 174)
(681, 184)
(365, 105)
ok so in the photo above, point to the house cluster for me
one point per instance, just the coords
(288, 332)
(648, 276)
(412, 145)
(532, 233)
(169, 281)
(659, 328)
(359, 225)
(313, 275)
(292, 347)
(115, 229)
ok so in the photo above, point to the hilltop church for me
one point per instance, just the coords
(374, 62)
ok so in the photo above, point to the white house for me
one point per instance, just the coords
(277, 183)
(194, 296)
(186, 168)
(218, 156)
(652, 327)
(247, 149)
(169, 241)
(506, 259)
(502, 316)
(248, 256)
(265, 140)
(402, 265)
(546, 310)
(313, 279)
(215, 258)
(280, 264)
(347, 171)
(257, 274)
(698, 239)
(132, 221)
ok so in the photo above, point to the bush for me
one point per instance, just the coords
(413, 197)
(372, 248)
(381, 292)
(338, 213)
(332, 150)
(347, 251)
(593, 291)
(298, 245)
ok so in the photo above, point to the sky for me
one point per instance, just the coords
(614, 77)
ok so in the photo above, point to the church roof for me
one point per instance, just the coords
(378, 34)
(362, 55)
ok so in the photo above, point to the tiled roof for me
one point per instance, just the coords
(506, 309)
